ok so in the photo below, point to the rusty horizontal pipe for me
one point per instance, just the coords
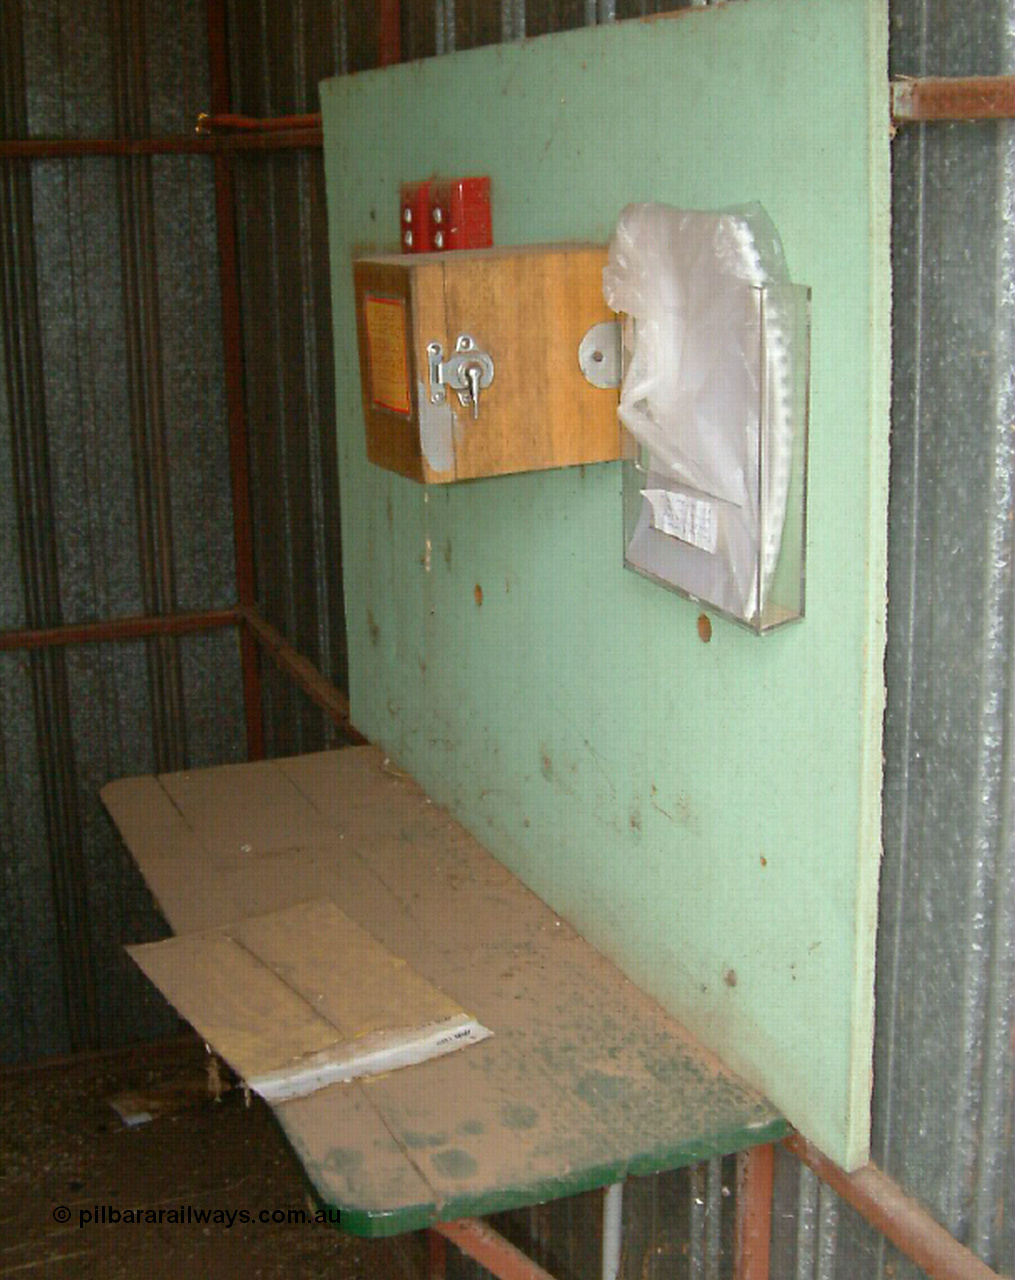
(945, 98)
(904, 1221)
(301, 669)
(171, 144)
(225, 120)
(134, 628)
(489, 1248)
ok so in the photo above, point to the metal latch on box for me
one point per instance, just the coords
(468, 372)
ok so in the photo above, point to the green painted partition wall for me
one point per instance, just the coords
(707, 814)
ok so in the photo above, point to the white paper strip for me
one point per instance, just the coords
(382, 1051)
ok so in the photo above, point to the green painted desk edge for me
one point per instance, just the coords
(375, 1224)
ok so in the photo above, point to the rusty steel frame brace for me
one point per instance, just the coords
(489, 1248)
(256, 630)
(214, 144)
(878, 1199)
(317, 686)
(140, 627)
(752, 1231)
(903, 1220)
(389, 32)
(436, 1256)
(929, 98)
(236, 400)
(229, 121)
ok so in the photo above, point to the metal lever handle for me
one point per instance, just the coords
(473, 373)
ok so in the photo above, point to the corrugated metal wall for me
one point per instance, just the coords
(114, 499)
(943, 1082)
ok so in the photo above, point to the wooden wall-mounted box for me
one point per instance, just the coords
(525, 310)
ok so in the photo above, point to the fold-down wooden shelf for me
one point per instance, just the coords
(585, 1080)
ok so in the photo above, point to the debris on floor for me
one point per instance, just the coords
(205, 1187)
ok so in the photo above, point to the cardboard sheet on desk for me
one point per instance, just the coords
(302, 998)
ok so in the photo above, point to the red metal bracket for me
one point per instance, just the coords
(945, 98)
(491, 1250)
(753, 1226)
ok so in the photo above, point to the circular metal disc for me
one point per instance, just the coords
(599, 354)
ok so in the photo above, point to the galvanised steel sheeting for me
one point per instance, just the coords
(114, 494)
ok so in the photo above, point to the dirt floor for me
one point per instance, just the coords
(66, 1153)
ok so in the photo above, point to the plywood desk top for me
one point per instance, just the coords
(585, 1080)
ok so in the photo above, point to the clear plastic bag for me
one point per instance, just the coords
(700, 359)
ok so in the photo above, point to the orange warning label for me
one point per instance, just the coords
(389, 354)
